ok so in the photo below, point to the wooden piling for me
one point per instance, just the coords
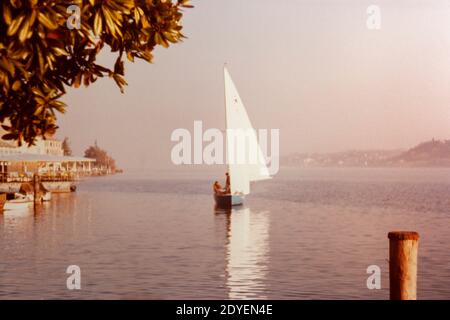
(2, 201)
(403, 247)
(37, 192)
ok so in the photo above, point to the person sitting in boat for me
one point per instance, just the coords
(217, 188)
(227, 183)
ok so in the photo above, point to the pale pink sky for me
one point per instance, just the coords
(310, 68)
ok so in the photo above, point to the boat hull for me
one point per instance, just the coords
(228, 200)
(18, 204)
(47, 196)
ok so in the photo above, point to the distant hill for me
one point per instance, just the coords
(352, 158)
(433, 153)
(429, 153)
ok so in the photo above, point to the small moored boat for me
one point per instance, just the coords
(20, 201)
(47, 196)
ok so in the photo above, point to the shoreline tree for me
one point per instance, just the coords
(102, 158)
(48, 46)
(66, 147)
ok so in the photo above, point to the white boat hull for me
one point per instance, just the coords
(47, 196)
(17, 204)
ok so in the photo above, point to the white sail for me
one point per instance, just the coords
(244, 155)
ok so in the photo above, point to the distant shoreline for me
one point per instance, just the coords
(410, 166)
(433, 153)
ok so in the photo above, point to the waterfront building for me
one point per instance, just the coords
(49, 146)
(7, 148)
(45, 157)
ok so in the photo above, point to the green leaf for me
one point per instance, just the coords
(48, 22)
(15, 24)
(98, 25)
(7, 14)
(16, 85)
(10, 136)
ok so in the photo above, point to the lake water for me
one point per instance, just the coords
(306, 234)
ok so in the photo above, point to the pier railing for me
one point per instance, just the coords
(52, 176)
(27, 177)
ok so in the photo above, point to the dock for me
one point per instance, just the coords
(57, 173)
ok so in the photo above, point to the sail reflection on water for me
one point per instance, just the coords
(247, 254)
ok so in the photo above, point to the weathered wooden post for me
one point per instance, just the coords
(36, 191)
(2, 201)
(403, 246)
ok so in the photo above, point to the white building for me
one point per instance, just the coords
(45, 156)
(48, 146)
(7, 148)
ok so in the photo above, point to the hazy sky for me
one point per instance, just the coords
(310, 68)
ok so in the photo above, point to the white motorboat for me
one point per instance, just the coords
(20, 201)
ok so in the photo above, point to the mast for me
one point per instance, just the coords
(226, 120)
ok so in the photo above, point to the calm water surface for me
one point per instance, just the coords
(307, 234)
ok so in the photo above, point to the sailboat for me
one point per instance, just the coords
(239, 128)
